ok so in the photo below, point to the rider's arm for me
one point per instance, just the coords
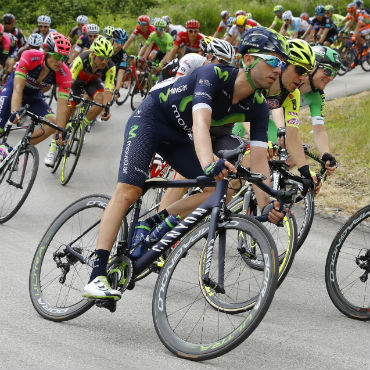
(323, 35)
(18, 86)
(307, 33)
(278, 117)
(64, 81)
(128, 42)
(77, 67)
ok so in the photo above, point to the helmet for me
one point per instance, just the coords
(240, 12)
(231, 21)
(160, 23)
(35, 40)
(82, 19)
(359, 3)
(329, 8)
(107, 31)
(326, 56)
(44, 19)
(224, 14)
(287, 15)
(102, 47)
(221, 49)
(57, 43)
(167, 19)
(204, 42)
(192, 23)
(143, 19)
(1, 28)
(278, 8)
(248, 15)
(92, 29)
(263, 39)
(320, 10)
(241, 20)
(351, 7)
(153, 20)
(119, 35)
(84, 29)
(305, 16)
(301, 53)
(8, 18)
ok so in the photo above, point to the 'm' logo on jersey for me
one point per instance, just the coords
(221, 75)
(132, 131)
(164, 97)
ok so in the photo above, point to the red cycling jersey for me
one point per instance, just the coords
(5, 44)
(138, 30)
(182, 39)
(30, 66)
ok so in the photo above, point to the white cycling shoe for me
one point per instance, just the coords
(50, 159)
(99, 288)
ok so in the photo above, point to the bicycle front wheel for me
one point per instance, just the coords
(16, 181)
(128, 83)
(348, 267)
(72, 152)
(365, 65)
(57, 277)
(190, 323)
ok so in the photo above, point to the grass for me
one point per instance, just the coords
(347, 121)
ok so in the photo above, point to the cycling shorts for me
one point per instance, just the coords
(91, 88)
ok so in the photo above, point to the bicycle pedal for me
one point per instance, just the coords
(109, 305)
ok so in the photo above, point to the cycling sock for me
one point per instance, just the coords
(86, 121)
(100, 264)
(53, 146)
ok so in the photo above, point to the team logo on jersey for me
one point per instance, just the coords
(163, 97)
(273, 103)
(293, 114)
(293, 122)
(204, 82)
(221, 75)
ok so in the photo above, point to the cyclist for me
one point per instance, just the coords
(305, 16)
(84, 41)
(5, 43)
(119, 57)
(158, 45)
(144, 28)
(293, 26)
(278, 19)
(173, 29)
(77, 30)
(88, 71)
(43, 28)
(328, 63)
(160, 125)
(336, 18)
(189, 39)
(235, 33)
(9, 25)
(108, 31)
(34, 42)
(36, 70)
(225, 15)
(321, 28)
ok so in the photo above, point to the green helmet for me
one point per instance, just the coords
(102, 47)
(160, 23)
(329, 8)
(278, 8)
(301, 53)
(326, 56)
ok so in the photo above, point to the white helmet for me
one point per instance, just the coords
(92, 29)
(44, 19)
(35, 40)
(221, 49)
(287, 15)
(82, 19)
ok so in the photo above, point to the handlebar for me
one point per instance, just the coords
(106, 107)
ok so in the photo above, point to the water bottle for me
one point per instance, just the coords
(166, 225)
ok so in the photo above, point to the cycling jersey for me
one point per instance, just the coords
(298, 25)
(138, 31)
(82, 70)
(337, 19)
(278, 22)
(5, 43)
(189, 62)
(234, 30)
(76, 31)
(18, 36)
(163, 121)
(222, 25)
(182, 39)
(82, 42)
(37, 30)
(120, 59)
(316, 101)
(13, 45)
(175, 29)
(164, 43)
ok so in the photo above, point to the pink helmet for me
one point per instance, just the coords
(57, 43)
(192, 23)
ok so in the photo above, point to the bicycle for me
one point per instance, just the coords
(240, 294)
(19, 169)
(51, 94)
(69, 153)
(347, 267)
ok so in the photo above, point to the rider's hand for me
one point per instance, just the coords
(219, 169)
(330, 163)
(104, 116)
(14, 117)
(272, 150)
(308, 174)
(272, 210)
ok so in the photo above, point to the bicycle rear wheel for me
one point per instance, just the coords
(365, 65)
(347, 267)
(56, 277)
(190, 323)
(14, 190)
(72, 152)
(140, 91)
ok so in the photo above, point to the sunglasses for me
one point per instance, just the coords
(329, 71)
(101, 57)
(192, 31)
(42, 26)
(301, 71)
(159, 29)
(271, 60)
(8, 23)
(59, 57)
(92, 36)
(142, 23)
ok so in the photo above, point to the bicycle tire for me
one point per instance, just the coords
(53, 94)
(139, 88)
(11, 197)
(365, 64)
(58, 159)
(342, 271)
(127, 85)
(181, 266)
(73, 148)
(45, 288)
(285, 238)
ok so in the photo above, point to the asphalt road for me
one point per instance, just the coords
(302, 329)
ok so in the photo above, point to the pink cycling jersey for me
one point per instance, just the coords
(5, 44)
(30, 66)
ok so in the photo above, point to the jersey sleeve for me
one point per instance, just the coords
(135, 31)
(109, 79)
(291, 106)
(179, 37)
(64, 80)
(150, 39)
(259, 125)
(28, 61)
(317, 107)
(77, 67)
